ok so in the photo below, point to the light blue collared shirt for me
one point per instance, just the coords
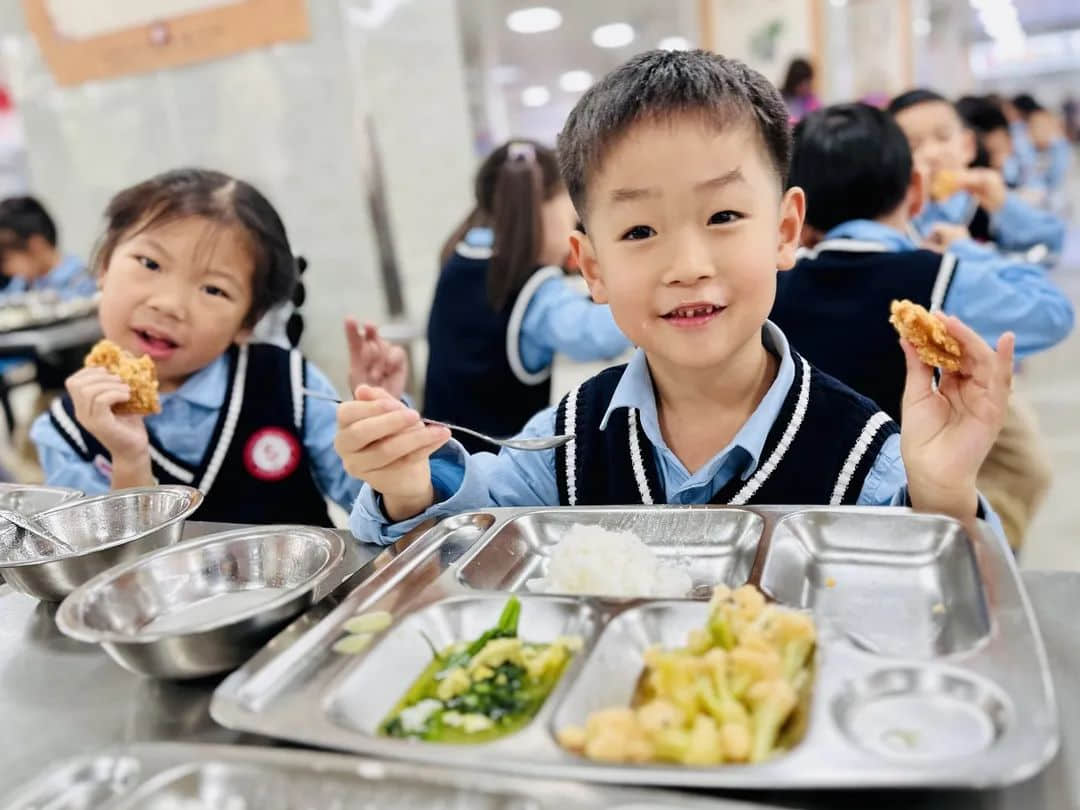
(560, 319)
(185, 425)
(516, 478)
(989, 292)
(70, 278)
(1016, 226)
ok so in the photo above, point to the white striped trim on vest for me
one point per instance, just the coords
(570, 420)
(636, 461)
(862, 444)
(941, 283)
(766, 469)
(517, 318)
(231, 418)
(467, 251)
(296, 376)
(69, 426)
(173, 469)
(843, 246)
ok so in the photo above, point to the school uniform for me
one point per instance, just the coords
(834, 304)
(69, 279)
(809, 440)
(1016, 227)
(834, 308)
(240, 430)
(491, 371)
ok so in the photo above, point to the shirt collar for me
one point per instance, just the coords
(867, 230)
(206, 387)
(635, 390)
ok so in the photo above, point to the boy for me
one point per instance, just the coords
(29, 256)
(862, 190)
(676, 163)
(991, 129)
(940, 142)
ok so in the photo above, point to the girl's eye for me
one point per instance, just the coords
(217, 292)
(638, 232)
(724, 217)
(148, 263)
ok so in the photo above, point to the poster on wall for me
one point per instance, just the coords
(83, 40)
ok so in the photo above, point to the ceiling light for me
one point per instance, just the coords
(535, 96)
(613, 35)
(838, 3)
(533, 20)
(575, 81)
(674, 44)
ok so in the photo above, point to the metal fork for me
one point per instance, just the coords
(538, 443)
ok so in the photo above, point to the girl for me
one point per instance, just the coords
(189, 262)
(502, 306)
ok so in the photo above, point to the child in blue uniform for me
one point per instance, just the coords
(30, 256)
(677, 165)
(503, 307)
(190, 260)
(941, 142)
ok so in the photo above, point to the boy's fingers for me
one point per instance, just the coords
(979, 360)
(358, 410)
(370, 393)
(920, 377)
(104, 401)
(361, 435)
(1006, 352)
(410, 445)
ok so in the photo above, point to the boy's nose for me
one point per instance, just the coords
(690, 263)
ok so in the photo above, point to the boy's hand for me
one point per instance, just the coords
(947, 433)
(943, 234)
(94, 392)
(373, 361)
(986, 185)
(384, 444)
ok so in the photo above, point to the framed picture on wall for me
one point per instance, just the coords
(83, 40)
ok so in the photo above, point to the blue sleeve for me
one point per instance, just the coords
(886, 485)
(1019, 225)
(62, 465)
(320, 427)
(561, 319)
(994, 294)
(466, 483)
(1060, 158)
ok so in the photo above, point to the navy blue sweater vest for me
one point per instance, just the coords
(475, 377)
(255, 469)
(834, 308)
(819, 451)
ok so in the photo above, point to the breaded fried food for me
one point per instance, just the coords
(138, 372)
(943, 185)
(933, 343)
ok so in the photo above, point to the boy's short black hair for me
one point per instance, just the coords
(853, 162)
(1026, 104)
(981, 114)
(659, 84)
(912, 98)
(26, 217)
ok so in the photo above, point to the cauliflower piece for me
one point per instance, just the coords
(698, 641)
(613, 735)
(659, 714)
(771, 704)
(704, 746)
(793, 634)
(736, 739)
(454, 683)
(749, 665)
(497, 652)
(572, 738)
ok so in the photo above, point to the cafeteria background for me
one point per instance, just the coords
(364, 121)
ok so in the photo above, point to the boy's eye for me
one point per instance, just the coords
(148, 263)
(639, 232)
(724, 217)
(217, 292)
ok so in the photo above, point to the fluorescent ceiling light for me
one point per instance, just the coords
(576, 81)
(613, 35)
(533, 20)
(674, 44)
(535, 96)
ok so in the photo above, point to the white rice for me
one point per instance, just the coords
(593, 560)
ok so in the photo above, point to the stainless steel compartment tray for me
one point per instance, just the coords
(220, 777)
(930, 670)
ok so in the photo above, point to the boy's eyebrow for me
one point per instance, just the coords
(156, 245)
(629, 194)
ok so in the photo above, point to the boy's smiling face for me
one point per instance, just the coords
(687, 225)
(938, 138)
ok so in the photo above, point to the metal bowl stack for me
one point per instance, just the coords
(206, 605)
(104, 531)
(31, 500)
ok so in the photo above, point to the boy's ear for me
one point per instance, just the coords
(792, 216)
(583, 255)
(916, 196)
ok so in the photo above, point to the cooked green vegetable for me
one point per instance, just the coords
(481, 690)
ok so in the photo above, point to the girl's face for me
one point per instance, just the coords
(179, 292)
(558, 218)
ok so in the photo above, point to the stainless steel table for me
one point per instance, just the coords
(59, 698)
(52, 338)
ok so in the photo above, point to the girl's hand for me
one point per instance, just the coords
(373, 361)
(946, 434)
(94, 391)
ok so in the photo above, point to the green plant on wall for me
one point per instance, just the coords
(763, 41)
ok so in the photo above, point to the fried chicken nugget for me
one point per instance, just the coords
(933, 343)
(138, 372)
(943, 185)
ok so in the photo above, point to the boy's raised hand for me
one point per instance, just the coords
(94, 392)
(943, 234)
(373, 361)
(987, 186)
(382, 442)
(947, 433)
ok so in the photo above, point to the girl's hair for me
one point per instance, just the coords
(221, 199)
(511, 185)
(798, 71)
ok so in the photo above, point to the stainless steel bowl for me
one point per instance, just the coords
(207, 605)
(30, 499)
(105, 530)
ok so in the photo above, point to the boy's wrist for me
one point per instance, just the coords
(956, 500)
(132, 470)
(401, 506)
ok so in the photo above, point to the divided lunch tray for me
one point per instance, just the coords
(930, 670)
